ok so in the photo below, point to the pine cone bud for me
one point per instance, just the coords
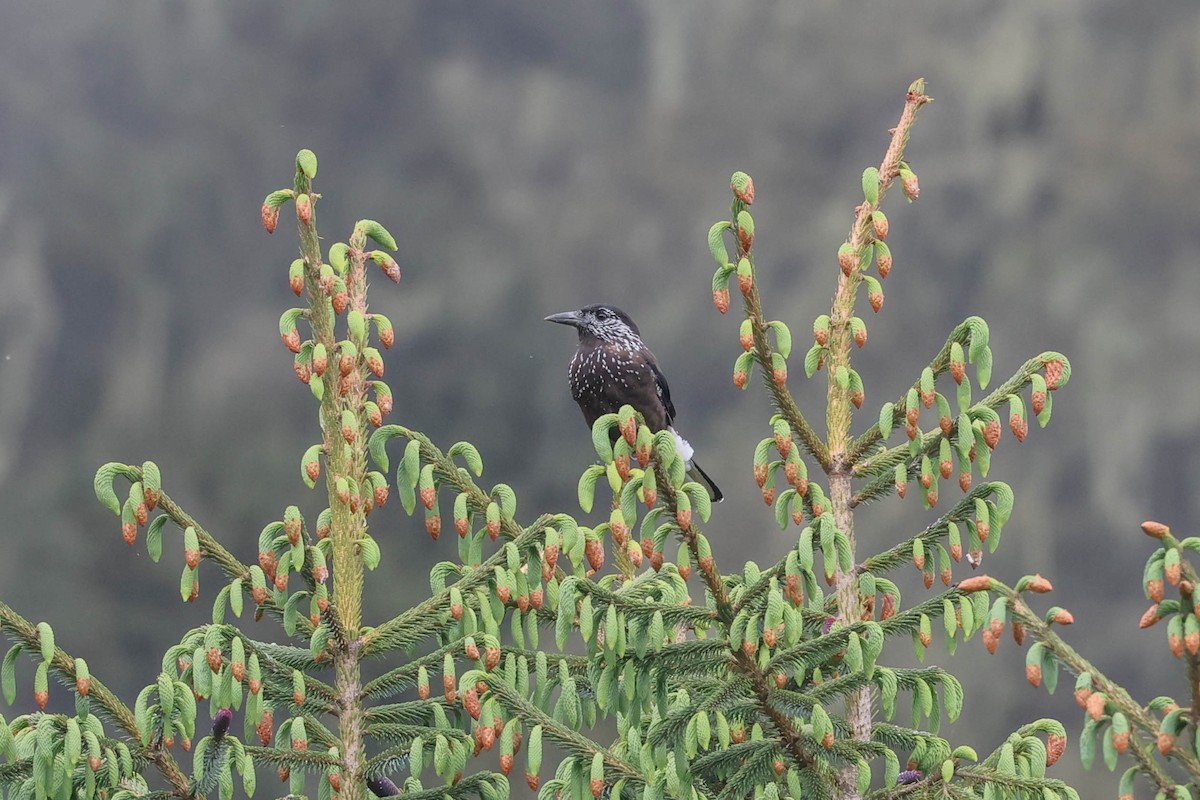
(374, 362)
(1039, 585)
(339, 301)
(471, 703)
(743, 187)
(1155, 530)
(879, 223)
(594, 551)
(1055, 746)
(270, 217)
(388, 265)
(721, 299)
(991, 433)
(491, 658)
(1037, 401)
(265, 728)
(635, 555)
(847, 259)
(1019, 426)
(1165, 741)
(1095, 706)
(1054, 374)
(876, 301)
(1033, 674)
(739, 378)
(622, 464)
(883, 260)
(304, 209)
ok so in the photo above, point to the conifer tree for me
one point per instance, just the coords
(762, 683)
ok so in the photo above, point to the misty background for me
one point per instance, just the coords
(535, 157)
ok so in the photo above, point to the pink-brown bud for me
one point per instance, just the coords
(880, 224)
(291, 340)
(270, 217)
(594, 551)
(876, 301)
(1054, 374)
(846, 260)
(339, 301)
(991, 433)
(975, 583)
(1150, 617)
(1155, 530)
(883, 260)
(1055, 746)
(389, 267)
(721, 299)
(746, 281)
(304, 209)
(1019, 426)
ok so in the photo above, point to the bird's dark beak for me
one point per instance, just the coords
(565, 318)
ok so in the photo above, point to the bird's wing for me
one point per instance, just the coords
(664, 391)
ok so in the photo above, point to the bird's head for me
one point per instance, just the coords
(606, 323)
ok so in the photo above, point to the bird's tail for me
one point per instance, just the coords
(699, 476)
(693, 469)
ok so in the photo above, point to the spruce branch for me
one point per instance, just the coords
(961, 334)
(210, 546)
(765, 356)
(26, 633)
(1143, 724)
(616, 768)
(901, 553)
(881, 463)
(410, 626)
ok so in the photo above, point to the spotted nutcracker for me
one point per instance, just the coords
(613, 367)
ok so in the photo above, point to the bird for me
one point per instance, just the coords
(613, 367)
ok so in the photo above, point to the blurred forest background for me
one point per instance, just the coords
(534, 157)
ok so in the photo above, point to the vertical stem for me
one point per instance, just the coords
(838, 414)
(347, 524)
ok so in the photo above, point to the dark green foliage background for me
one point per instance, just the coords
(534, 157)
